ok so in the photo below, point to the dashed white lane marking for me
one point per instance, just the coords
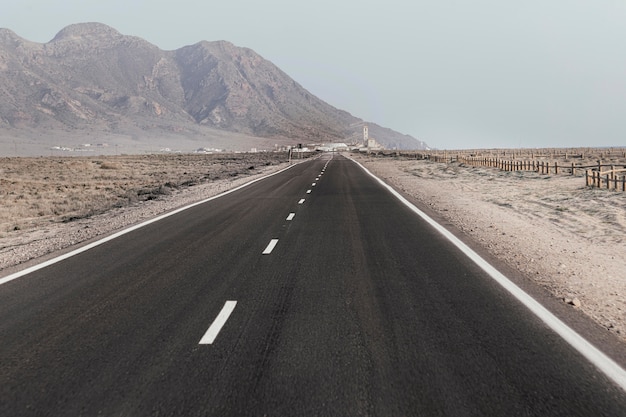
(308, 191)
(314, 184)
(594, 355)
(270, 247)
(301, 201)
(291, 216)
(216, 326)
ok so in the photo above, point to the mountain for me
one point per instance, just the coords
(92, 79)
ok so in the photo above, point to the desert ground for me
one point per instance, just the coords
(561, 234)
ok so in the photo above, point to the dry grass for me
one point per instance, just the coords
(37, 191)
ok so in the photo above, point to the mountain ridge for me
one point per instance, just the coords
(92, 78)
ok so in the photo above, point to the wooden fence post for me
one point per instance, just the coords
(613, 174)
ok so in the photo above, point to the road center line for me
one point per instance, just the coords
(301, 201)
(270, 247)
(291, 216)
(314, 184)
(308, 191)
(216, 326)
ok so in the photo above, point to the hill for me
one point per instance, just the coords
(91, 83)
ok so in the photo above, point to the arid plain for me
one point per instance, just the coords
(567, 237)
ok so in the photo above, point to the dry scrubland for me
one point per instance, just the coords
(561, 234)
(38, 191)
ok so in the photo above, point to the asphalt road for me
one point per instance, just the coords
(312, 294)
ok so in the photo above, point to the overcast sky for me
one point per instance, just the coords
(455, 74)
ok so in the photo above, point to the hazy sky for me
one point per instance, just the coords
(456, 74)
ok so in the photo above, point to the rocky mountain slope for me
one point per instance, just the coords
(91, 78)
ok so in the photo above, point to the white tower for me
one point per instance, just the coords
(365, 135)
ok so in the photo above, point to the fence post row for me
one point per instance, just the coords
(594, 176)
(598, 179)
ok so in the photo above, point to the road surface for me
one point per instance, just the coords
(313, 292)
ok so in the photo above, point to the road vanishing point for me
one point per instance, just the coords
(316, 291)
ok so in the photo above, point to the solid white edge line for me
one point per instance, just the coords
(270, 247)
(216, 326)
(291, 216)
(92, 245)
(605, 364)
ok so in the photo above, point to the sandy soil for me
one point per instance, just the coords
(567, 237)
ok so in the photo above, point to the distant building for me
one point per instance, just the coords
(370, 143)
(333, 147)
